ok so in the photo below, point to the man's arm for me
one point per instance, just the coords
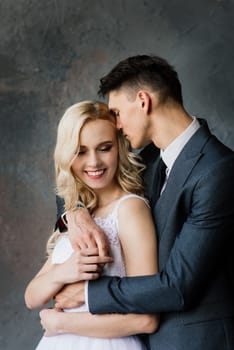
(83, 231)
(196, 254)
(60, 224)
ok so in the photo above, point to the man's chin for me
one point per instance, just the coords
(137, 147)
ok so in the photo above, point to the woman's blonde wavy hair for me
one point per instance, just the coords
(68, 185)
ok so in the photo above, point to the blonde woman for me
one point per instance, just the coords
(94, 165)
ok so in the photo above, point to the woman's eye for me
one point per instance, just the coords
(80, 153)
(106, 148)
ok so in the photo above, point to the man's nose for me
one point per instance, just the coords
(118, 123)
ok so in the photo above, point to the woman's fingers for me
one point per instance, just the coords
(83, 264)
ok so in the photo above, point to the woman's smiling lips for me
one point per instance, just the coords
(95, 174)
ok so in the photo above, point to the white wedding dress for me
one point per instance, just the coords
(62, 252)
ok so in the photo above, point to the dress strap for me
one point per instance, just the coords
(130, 195)
(122, 199)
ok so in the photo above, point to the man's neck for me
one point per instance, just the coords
(168, 124)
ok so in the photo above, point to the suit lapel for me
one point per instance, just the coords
(179, 175)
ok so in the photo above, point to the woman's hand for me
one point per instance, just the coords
(51, 321)
(83, 264)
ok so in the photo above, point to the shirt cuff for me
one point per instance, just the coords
(86, 294)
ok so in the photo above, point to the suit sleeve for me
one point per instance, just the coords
(196, 254)
(60, 211)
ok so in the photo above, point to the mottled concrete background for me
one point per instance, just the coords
(52, 55)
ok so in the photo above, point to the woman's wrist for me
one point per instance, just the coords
(64, 323)
(57, 276)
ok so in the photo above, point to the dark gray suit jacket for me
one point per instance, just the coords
(194, 219)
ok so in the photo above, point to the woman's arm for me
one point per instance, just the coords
(42, 287)
(98, 326)
(82, 265)
(138, 240)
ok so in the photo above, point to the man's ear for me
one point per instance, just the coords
(145, 101)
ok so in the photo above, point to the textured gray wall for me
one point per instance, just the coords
(52, 55)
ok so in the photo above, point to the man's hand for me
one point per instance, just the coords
(84, 233)
(51, 321)
(70, 296)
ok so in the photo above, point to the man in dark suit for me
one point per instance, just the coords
(193, 210)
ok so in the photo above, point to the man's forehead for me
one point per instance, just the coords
(114, 99)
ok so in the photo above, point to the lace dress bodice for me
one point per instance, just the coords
(109, 224)
(62, 251)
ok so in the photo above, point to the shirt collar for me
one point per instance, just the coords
(172, 151)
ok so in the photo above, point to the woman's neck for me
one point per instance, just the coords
(106, 199)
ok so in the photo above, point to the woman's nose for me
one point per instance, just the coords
(93, 159)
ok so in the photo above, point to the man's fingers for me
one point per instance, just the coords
(78, 245)
(89, 260)
(89, 239)
(95, 252)
(101, 242)
(85, 233)
(92, 252)
(84, 241)
(71, 302)
(89, 251)
(103, 248)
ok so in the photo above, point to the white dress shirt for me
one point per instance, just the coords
(172, 151)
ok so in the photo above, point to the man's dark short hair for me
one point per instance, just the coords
(144, 71)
